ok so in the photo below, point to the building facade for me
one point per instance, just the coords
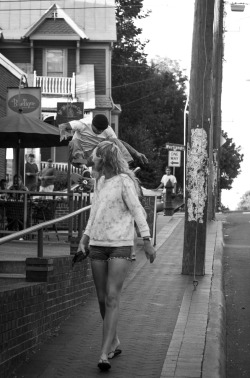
(65, 48)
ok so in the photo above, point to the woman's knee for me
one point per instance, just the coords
(112, 300)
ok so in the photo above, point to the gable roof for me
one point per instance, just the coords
(67, 24)
(11, 67)
(91, 19)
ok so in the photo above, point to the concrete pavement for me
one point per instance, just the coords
(167, 327)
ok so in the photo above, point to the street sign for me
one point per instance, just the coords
(174, 158)
(174, 147)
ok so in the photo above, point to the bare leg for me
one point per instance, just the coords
(100, 276)
(117, 271)
(108, 280)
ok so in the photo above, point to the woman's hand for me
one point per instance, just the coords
(149, 250)
(82, 251)
(84, 244)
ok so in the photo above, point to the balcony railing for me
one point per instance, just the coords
(57, 86)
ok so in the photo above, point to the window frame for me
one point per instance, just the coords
(65, 60)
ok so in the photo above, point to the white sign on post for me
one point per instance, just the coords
(174, 158)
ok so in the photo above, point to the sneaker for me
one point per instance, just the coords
(86, 182)
(86, 173)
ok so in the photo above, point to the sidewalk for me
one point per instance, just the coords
(167, 327)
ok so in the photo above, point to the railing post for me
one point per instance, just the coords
(25, 207)
(40, 243)
(70, 202)
(34, 79)
(73, 86)
(80, 216)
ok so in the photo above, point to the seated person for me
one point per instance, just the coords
(15, 221)
(88, 134)
(3, 186)
(3, 196)
(18, 185)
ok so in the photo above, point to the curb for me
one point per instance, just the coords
(214, 362)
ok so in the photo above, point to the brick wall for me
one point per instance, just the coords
(29, 311)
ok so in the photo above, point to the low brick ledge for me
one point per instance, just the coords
(31, 309)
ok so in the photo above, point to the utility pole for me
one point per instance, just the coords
(198, 140)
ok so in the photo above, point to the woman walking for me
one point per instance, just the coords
(109, 236)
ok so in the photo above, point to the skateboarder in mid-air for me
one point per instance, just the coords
(88, 134)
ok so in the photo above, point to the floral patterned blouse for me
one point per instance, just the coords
(114, 209)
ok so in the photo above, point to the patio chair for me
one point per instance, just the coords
(14, 211)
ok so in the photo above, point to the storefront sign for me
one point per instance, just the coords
(27, 100)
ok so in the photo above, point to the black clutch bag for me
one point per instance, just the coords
(79, 256)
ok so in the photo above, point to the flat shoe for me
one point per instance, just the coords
(104, 365)
(114, 353)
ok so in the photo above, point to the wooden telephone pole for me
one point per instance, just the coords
(198, 140)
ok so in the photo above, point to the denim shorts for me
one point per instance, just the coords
(107, 253)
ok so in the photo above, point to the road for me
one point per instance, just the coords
(236, 230)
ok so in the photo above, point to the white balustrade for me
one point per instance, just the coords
(55, 85)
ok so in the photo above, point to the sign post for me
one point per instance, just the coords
(174, 158)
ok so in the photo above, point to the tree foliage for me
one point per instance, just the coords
(244, 202)
(152, 96)
(230, 159)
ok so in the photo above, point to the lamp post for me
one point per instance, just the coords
(184, 143)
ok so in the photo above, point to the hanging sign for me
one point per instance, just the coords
(69, 111)
(27, 99)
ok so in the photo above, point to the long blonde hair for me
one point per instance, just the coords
(111, 159)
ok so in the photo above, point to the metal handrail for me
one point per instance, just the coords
(39, 228)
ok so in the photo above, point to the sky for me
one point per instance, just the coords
(169, 29)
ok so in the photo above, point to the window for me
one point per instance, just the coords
(55, 62)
